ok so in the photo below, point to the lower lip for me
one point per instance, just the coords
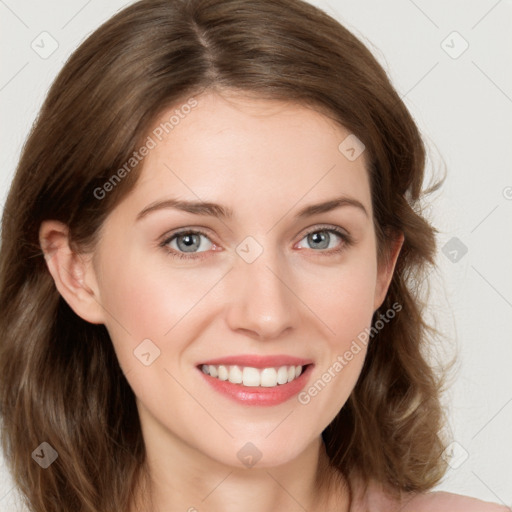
(259, 395)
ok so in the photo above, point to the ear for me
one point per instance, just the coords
(386, 269)
(73, 273)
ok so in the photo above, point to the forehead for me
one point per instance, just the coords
(249, 151)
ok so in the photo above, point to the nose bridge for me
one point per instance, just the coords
(261, 300)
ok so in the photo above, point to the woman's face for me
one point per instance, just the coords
(257, 286)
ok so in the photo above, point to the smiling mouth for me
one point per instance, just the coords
(248, 376)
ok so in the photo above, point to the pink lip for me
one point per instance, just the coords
(256, 361)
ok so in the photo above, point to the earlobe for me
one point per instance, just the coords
(386, 269)
(72, 272)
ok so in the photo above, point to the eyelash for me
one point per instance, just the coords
(347, 242)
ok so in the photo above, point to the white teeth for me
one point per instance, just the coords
(223, 373)
(282, 375)
(235, 375)
(250, 377)
(253, 377)
(268, 377)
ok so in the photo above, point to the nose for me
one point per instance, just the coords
(262, 301)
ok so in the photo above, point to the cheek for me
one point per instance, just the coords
(345, 305)
(153, 301)
(343, 296)
(351, 310)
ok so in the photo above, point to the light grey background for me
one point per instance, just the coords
(462, 102)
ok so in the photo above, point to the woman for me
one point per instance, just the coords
(207, 268)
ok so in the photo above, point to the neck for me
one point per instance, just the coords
(180, 478)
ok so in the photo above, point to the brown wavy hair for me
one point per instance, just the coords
(60, 380)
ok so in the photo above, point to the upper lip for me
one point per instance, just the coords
(258, 361)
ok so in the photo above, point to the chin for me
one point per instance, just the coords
(258, 452)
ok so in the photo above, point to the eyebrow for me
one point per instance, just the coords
(219, 211)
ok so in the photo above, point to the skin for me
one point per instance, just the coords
(265, 160)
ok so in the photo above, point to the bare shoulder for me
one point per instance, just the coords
(441, 501)
(376, 497)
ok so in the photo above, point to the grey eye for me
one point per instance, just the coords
(321, 239)
(187, 242)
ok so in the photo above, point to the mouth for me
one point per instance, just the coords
(249, 376)
(256, 380)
